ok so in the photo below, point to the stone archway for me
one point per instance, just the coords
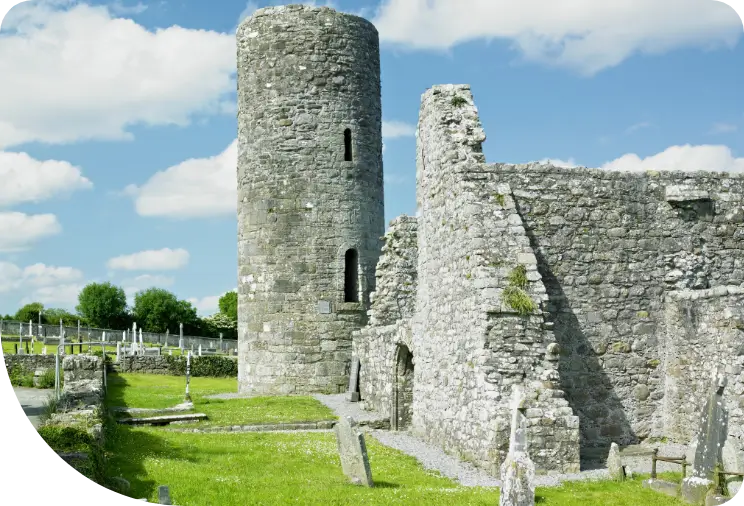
(402, 409)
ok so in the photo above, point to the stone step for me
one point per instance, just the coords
(163, 420)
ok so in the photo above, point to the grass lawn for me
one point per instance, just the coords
(155, 391)
(304, 468)
(9, 347)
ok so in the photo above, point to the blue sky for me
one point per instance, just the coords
(117, 120)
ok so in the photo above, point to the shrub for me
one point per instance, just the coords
(66, 438)
(211, 366)
(46, 380)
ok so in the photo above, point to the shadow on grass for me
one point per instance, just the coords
(127, 448)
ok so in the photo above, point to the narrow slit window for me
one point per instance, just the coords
(351, 276)
(347, 145)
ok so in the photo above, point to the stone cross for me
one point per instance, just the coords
(30, 328)
(353, 452)
(354, 380)
(187, 397)
(141, 344)
(518, 470)
(200, 350)
(711, 438)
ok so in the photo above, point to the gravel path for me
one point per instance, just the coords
(432, 457)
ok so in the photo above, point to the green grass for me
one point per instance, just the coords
(9, 347)
(158, 392)
(304, 468)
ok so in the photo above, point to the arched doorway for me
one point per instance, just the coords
(402, 412)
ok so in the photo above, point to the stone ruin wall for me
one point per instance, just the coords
(468, 348)
(610, 246)
(393, 305)
(705, 332)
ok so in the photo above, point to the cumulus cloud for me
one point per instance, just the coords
(165, 259)
(210, 304)
(20, 231)
(686, 158)
(583, 35)
(197, 187)
(25, 179)
(109, 73)
(50, 285)
(395, 129)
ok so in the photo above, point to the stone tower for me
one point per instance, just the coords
(310, 195)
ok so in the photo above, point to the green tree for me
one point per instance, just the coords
(221, 323)
(158, 310)
(103, 305)
(30, 312)
(229, 305)
(54, 315)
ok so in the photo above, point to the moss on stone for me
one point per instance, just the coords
(458, 101)
(517, 299)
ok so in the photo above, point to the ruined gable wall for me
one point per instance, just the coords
(469, 347)
(393, 304)
(609, 245)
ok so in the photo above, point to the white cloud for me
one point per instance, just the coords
(395, 129)
(637, 126)
(25, 179)
(559, 163)
(133, 285)
(210, 304)
(50, 285)
(250, 8)
(20, 230)
(121, 9)
(686, 158)
(583, 35)
(151, 260)
(395, 179)
(723, 128)
(194, 188)
(109, 73)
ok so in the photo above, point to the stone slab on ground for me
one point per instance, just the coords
(163, 420)
(186, 406)
(665, 487)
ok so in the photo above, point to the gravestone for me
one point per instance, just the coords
(354, 381)
(615, 463)
(164, 495)
(118, 352)
(353, 452)
(518, 470)
(711, 438)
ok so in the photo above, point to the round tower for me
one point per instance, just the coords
(310, 195)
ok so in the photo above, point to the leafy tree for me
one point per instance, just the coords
(158, 310)
(30, 312)
(54, 315)
(229, 305)
(103, 305)
(221, 323)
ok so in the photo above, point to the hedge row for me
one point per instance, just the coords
(212, 366)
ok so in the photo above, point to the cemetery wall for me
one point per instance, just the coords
(609, 246)
(392, 305)
(83, 380)
(308, 215)
(705, 331)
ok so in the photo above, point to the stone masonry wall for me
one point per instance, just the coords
(705, 333)
(29, 363)
(609, 246)
(469, 345)
(83, 379)
(305, 76)
(393, 304)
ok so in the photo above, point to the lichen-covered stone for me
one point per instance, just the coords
(517, 481)
(305, 75)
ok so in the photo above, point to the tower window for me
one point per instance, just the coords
(351, 276)
(347, 145)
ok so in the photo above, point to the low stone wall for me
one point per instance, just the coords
(144, 364)
(29, 363)
(83, 380)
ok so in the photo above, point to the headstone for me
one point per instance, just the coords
(170, 352)
(200, 350)
(163, 495)
(123, 337)
(180, 336)
(44, 350)
(353, 452)
(518, 470)
(141, 342)
(710, 438)
(354, 380)
(187, 397)
(615, 463)
(30, 328)
(118, 352)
